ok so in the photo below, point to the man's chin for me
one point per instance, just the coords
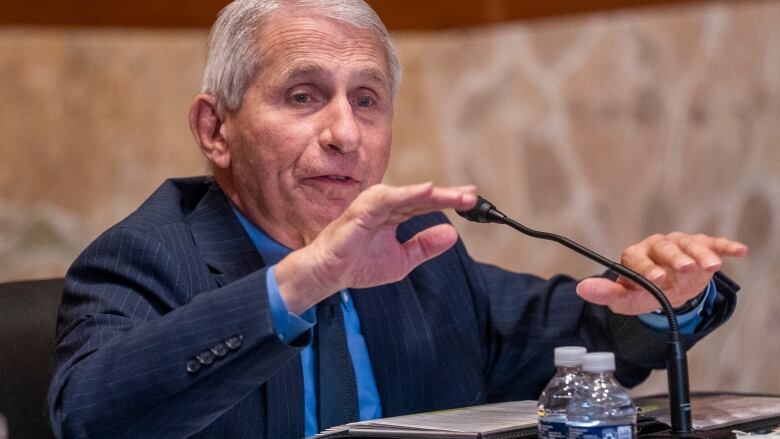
(327, 211)
(318, 211)
(317, 214)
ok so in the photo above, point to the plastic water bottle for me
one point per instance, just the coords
(600, 407)
(555, 397)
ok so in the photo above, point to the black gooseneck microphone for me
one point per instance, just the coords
(676, 361)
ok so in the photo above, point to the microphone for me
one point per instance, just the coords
(676, 361)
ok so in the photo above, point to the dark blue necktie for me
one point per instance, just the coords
(337, 394)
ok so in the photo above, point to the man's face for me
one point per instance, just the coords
(314, 129)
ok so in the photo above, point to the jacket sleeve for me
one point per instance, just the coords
(148, 345)
(524, 317)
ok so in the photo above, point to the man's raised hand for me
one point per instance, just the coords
(360, 249)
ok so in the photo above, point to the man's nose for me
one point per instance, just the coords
(341, 132)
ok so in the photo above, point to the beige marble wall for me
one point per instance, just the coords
(603, 127)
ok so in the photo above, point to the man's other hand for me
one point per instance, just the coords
(679, 264)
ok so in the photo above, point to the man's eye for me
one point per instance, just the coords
(301, 98)
(365, 101)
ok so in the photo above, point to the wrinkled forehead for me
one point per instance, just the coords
(296, 43)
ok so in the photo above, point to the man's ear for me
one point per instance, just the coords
(206, 125)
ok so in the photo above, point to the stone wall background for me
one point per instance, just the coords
(605, 128)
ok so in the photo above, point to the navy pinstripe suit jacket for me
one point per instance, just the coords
(180, 276)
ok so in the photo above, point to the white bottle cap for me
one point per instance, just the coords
(599, 362)
(569, 356)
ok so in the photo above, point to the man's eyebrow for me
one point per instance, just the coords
(303, 71)
(373, 75)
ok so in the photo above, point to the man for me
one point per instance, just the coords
(201, 315)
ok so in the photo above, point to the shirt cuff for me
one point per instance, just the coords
(287, 326)
(688, 321)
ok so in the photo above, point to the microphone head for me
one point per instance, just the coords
(482, 212)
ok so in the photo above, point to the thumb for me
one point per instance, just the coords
(429, 243)
(600, 291)
(618, 298)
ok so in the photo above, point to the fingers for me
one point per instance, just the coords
(679, 252)
(702, 250)
(638, 259)
(383, 204)
(437, 199)
(723, 246)
(674, 254)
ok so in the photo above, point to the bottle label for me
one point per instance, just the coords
(602, 432)
(552, 430)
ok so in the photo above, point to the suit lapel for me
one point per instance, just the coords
(231, 255)
(221, 239)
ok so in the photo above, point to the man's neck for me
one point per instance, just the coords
(279, 230)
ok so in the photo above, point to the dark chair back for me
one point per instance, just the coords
(28, 320)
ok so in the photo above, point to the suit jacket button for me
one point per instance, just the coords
(193, 366)
(234, 342)
(219, 349)
(205, 358)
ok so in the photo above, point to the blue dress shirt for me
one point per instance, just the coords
(289, 326)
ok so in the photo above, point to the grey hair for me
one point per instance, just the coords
(233, 59)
